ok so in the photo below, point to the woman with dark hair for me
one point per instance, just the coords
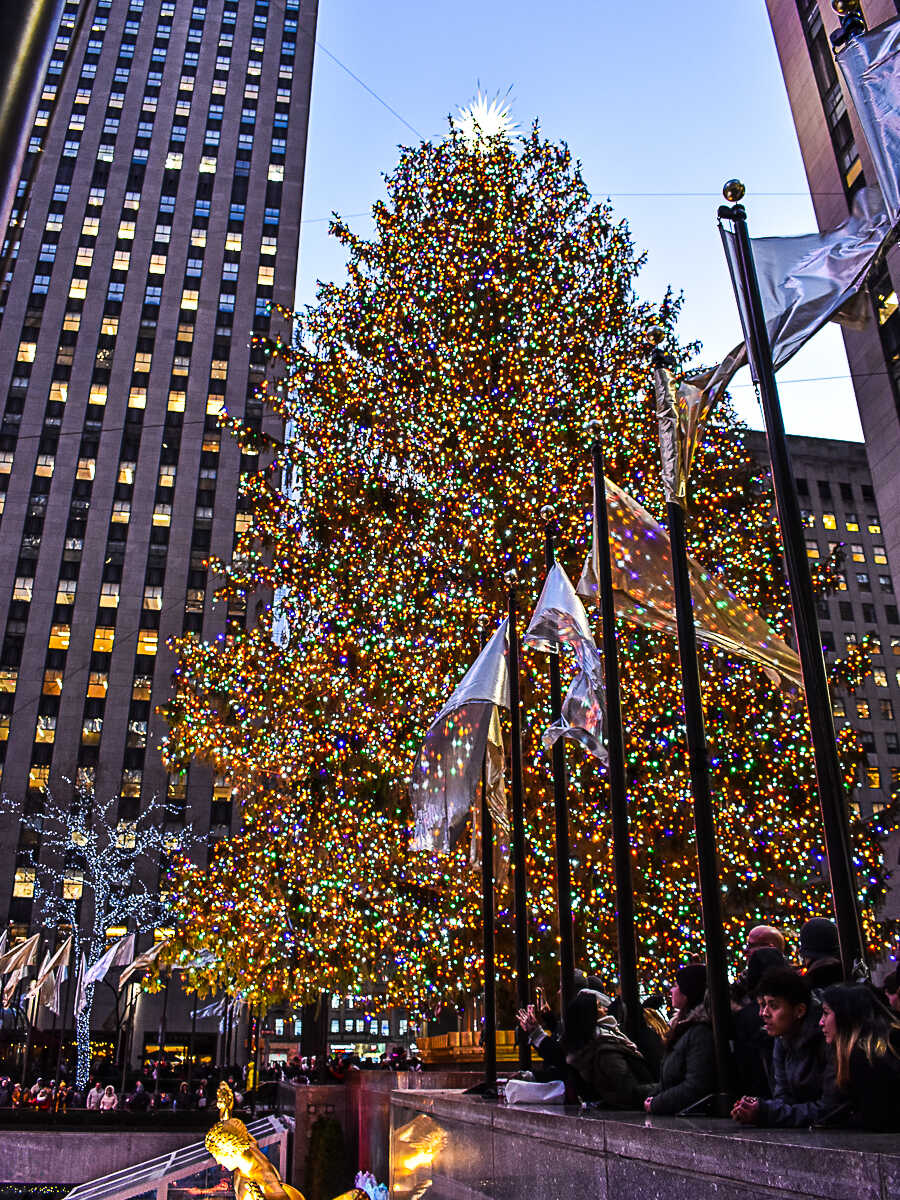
(608, 1067)
(688, 1072)
(864, 1040)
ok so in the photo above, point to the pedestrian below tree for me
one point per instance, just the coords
(864, 1043)
(688, 1070)
(891, 988)
(790, 1016)
(139, 1100)
(608, 1069)
(820, 953)
(761, 936)
(94, 1096)
(752, 1045)
(109, 1101)
(5, 1092)
(544, 1032)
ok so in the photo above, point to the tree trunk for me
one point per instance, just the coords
(314, 1032)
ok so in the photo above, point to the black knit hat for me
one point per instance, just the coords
(691, 978)
(819, 939)
(760, 962)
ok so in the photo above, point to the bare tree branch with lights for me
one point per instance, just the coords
(88, 859)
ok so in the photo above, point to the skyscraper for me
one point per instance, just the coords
(839, 509)
(157, 216)
(837, 165)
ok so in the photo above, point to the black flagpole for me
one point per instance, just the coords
(628, 980)
(832, 793)
(520, 882)
(698, 759)
(489, 1031)
(560, 806)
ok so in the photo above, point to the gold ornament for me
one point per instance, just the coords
(234, 1147)
(733, 191)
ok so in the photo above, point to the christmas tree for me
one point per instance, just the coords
(434, 401)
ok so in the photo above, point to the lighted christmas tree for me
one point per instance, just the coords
(435, 401)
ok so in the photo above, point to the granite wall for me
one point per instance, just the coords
(445, 1146)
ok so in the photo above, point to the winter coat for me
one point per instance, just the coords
(688, 1069)
(871, 1099)
(798, 1070)
(610, 1069)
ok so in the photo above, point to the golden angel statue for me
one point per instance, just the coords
(234, 1147)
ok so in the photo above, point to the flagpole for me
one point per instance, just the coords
(67, 1006)
(560, 805)
(190, 1074)
(698, 760)
(162, 1029)
(489, 1031)
(832, 793)
(520, 882)
(628, 979)
(30, 1016)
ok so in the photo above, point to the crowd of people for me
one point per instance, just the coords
(808, 1047)
(165, 1085)
(158, 1086)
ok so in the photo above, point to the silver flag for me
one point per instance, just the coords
(870, 65)
(804, 281)
(448, 767)
(560, 618)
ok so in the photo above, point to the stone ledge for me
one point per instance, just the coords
(492, 1151)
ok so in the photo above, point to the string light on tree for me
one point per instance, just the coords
(436, 400)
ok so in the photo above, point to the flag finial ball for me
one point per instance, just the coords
(656, 335)
(733, 191)
(548, 512)
(511, 576)
(595, 426)
(845, 8)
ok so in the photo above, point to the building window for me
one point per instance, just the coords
(23, 883)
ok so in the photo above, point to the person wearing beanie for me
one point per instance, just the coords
(688, 1071)
(820, 953)
(752, 1045)
(790, 1015)
(607, 1067)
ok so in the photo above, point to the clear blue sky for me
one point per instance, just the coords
(661, 110)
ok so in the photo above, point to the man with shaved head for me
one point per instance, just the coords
(763, 935)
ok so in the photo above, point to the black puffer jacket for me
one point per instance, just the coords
(798, 1068)
(871, 1099)
(688, 1070)
(610, 1070)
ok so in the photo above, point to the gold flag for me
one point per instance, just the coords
(642, 586)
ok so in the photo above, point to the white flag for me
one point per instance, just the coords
(55, 1003)
(49, 965)
(80, 996)
(147, 959)
(124, 951)
(215, 1009)
(12, 983)
(22, 955)
(448, 767)
(560, 618)
(120, 953)
(870, 64)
